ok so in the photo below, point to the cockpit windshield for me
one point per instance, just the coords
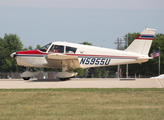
(45, 48)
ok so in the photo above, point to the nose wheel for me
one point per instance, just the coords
(28, 74)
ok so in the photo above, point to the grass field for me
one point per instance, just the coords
(80, 104)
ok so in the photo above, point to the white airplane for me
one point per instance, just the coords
(70, 55)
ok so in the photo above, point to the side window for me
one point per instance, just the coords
(57, 49)
(70, 50)
(61, 49)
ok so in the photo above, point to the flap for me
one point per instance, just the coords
(60, 60)
(60, 56)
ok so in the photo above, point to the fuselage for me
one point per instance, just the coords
(66, 55)
(88, 56)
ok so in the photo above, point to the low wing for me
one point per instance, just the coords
(60, 60)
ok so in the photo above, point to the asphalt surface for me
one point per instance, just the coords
(82, 83)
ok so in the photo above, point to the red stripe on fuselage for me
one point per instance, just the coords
(86, 55)
(31, 52)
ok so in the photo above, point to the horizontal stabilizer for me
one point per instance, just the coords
(144, 58)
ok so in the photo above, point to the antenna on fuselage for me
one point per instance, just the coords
(94, 40)
(102, 43)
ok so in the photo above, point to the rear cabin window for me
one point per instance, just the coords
(57, 49)
(70, 50)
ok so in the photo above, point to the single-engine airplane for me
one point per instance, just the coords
(70, 55)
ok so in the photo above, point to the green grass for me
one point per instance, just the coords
(80, 104)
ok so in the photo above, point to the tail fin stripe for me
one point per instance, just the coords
(145, 37)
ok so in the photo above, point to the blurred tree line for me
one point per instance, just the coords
(11, 43)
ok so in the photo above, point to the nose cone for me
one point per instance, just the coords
(13, 54)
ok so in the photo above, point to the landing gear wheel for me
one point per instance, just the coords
(26, 78)
(63, 79)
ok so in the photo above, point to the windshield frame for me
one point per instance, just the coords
(45, 48)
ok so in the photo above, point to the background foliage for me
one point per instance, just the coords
(9, 44)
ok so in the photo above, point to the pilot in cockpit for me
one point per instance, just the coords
(56, 49)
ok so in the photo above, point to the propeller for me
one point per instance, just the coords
(13, 55)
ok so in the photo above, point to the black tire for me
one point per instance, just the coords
(26, 78)
(64, 79)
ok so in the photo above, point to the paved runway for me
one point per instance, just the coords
(82, 83)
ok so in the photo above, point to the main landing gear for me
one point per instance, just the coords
(64, 75)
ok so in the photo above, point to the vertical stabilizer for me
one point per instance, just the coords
(143, 42)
